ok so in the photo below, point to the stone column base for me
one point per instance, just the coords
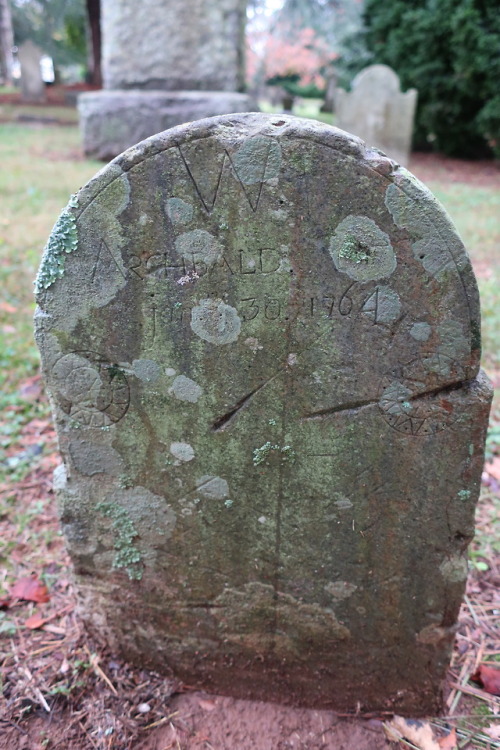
(112, 121)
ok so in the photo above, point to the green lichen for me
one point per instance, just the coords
(127, 556)
(125, 482)
(260, 455)
(62, 241)
(353, 250)
(464, 494)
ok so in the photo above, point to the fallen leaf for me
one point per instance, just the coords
(65, 666)
(206, 705)
(493, 468)
(30, 589)
(54, 629)
(415, 731)
(493, 731)
(449, 742)
(488, 678)
(35, 621)
(5, 602)
(5, 307)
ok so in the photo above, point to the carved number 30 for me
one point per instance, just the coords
(272, 309)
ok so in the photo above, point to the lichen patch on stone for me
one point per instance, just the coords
(185, 389)
(182, 451)
(454, 569)
(212, 488)
(362, 250)
(199, 246)
(257, 160)
(62, 241)
(179, 212)
(340, 589)
(420, 331)
(146, 370)
(215, 322)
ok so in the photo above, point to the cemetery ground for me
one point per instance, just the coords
(61, 689)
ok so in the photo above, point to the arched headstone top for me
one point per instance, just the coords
(261, 340)
(383, 77)
(371, 224)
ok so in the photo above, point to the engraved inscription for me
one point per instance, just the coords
(91, 390)
(380, 306)
(259, 261)
(416, 398)
(257, 161)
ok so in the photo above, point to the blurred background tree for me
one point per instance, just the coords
(6, 43)
(66, 30)
(294, 43)
(450, 51)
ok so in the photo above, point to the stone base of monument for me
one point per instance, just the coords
(112, 121)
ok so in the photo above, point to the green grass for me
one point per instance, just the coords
(41, 167)
(309, 108)
(476, 214)
(27, 112)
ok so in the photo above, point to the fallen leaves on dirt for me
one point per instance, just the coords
(419, 733)
(449, 742)
(30, 589)
(35, 621)
(493, 468)
(488, 677)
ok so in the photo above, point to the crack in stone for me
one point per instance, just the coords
(339, 408)
(222, 422)
(439, 390)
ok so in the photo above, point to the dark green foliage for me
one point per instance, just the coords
(291, 84)
(450, 51)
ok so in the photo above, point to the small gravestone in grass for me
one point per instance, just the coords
(377, 111)
(261, 342)
(32, 85)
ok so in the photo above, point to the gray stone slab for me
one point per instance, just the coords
(112, 121)
(32, 85)
(377, 111)
(184, 45)
(261, 341)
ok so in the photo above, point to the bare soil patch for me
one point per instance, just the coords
(439, 168)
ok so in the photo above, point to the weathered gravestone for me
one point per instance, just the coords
(169, 63)
(262, 346)
(378, 112)
(32, 85)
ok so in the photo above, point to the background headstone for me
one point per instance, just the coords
(377, 111)
(261, 342)
(171, 63)
(32, 85)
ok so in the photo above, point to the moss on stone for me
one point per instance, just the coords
(62, 241)
(127, 555)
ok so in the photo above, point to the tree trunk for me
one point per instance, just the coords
(94, 20)
(6, 43)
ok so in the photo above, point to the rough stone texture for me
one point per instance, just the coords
(192, 44)
(262, 346)
(115, 120)
(32, 85)
(169, 64)
(378, 112)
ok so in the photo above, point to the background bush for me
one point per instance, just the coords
(450, 51)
